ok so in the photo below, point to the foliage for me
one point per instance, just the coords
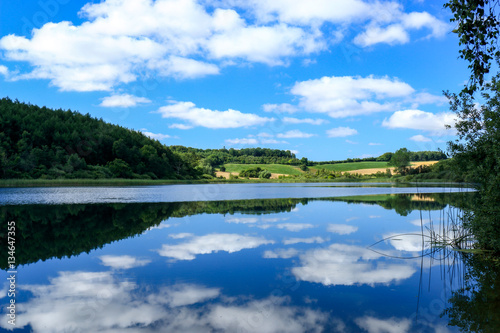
(218, 157)
(476, 306)
(255, 173)
(401, 160)
(477, 149)
(477, 29)
(37, 142)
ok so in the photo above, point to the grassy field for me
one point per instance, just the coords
(351, 166)
(273, 168)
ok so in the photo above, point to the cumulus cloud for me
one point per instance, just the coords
(294, 227)
(103, 302)
(156, 136)
(241, 220)
(211, 118)
(280, 108)
(393, 34)
(420, 138)
(123, 101)
(4, 71)
(309, 240)
(243, 141)
(341, 132)
(399, 31)
(391, 325)
(295, 134)
(289, 120)
(180, 126)
(211, 243)
(341, 264)
(346, 96)
(183, 294)
(181, 235)
(183, 68)
(118, 42)
(341, 229)
(421, 120)
(123, 262)
(280, 253)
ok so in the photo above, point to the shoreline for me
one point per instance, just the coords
(18, 183)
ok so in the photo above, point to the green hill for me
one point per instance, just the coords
(37, 142)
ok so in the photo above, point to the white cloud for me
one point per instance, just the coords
(241, 220)
(181, 126)
(264, 44)
(294, 227)
(211, 118)
(426, 98)
(375, 144)
(309, 240)
(416, 20)
(312, 12)
(398, 32)
(122, 262)
(289, 120)
(341, 229)
(391, 325)
(156, 136)
(183, 294)
(183, 68)
(119, 41)
(4, 71)
(211, 243)
(341, 264)
(243, 141)
(103, 302)
(281, 253)
(294, 134)
(181, 235)
(272, 141)
(393, 34)
(123, 101)
(421, 120)
(280, 108)
(420, 138)
(341, 132)
(347, 96)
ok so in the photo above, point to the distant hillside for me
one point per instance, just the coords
(217, 157)
(37, 142)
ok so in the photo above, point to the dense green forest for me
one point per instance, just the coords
(37, 142)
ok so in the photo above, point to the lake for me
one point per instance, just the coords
(230, 258)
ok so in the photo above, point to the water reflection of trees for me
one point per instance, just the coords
(57, 231)
(475, 307)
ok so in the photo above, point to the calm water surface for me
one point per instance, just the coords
(232, 258)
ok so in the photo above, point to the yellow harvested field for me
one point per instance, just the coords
(372, 171)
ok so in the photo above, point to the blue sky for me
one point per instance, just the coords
(326, 79)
